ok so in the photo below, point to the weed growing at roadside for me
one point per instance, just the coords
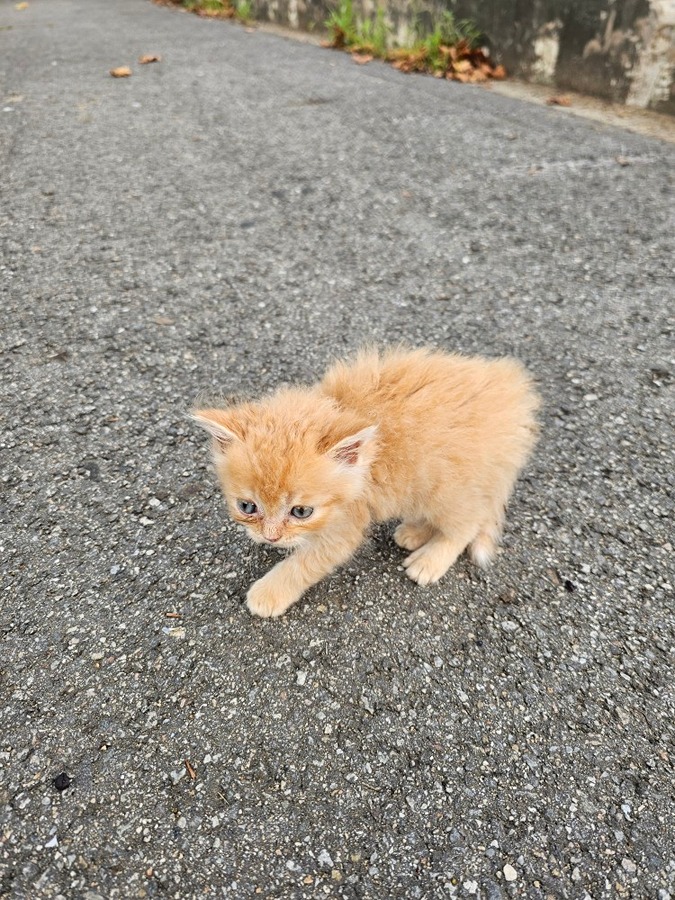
(244, 10)
(342, 25)
(452, 50)
(216, 9)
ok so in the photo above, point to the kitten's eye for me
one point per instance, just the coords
(247, 507)
(302, 512)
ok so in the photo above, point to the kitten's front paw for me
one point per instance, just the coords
(265, 599)
(430, 562)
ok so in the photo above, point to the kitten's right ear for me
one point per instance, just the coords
(219, 425)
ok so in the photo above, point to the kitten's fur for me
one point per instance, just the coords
(436, 440)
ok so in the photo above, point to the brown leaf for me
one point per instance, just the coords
(121, 72)
(21, 6)
(362, 59)
(559, 100)
(149, 58)
(173, 615)
(191, 772)
(622, 160)
(164, 320)
(499, 72)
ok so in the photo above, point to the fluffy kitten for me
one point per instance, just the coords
(436, 440)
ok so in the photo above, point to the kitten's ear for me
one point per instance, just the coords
(350, 450)
(219, 424)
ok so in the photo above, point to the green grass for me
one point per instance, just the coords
(244, 10)
(215, 6)
(342, 25)
(374, 36)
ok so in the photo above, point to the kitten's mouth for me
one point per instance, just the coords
(281, 544)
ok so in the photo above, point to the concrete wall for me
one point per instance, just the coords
(623, 50)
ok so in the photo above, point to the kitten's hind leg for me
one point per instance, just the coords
(484, 546)
(411, 535)
(433, 559)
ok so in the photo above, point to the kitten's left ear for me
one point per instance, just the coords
(217, 424)
(350, 450)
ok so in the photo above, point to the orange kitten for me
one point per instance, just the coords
(436, 440)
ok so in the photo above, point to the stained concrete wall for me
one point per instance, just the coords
(623, 50)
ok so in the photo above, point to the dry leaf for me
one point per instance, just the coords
(622, 160)
(172, 615)
(21, 6)
(149, 58)
(121, 72)
(362, 58)
(559, 100)
(164, 320)
(499, 72)
(191, 772)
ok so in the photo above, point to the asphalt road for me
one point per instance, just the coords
(236, 216)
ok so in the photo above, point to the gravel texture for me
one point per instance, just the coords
(232, 217)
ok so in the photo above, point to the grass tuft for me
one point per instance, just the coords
(452, 50)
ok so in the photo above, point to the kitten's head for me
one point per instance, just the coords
(290, 464)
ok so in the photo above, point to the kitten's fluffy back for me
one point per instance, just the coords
(444, 420)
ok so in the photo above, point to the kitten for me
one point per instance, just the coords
(436, 440)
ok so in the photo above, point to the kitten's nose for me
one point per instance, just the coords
(272, 538)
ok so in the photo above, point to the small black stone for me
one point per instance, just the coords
(569, 585)
(62, 782)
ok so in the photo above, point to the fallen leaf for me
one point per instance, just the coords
(121, 72)
(559, 100)
(164, 320)
(191, 772)
(21, 6)
(622, 160)
(149, 58)
(172, 615)
(362, 58)
(499, 72)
